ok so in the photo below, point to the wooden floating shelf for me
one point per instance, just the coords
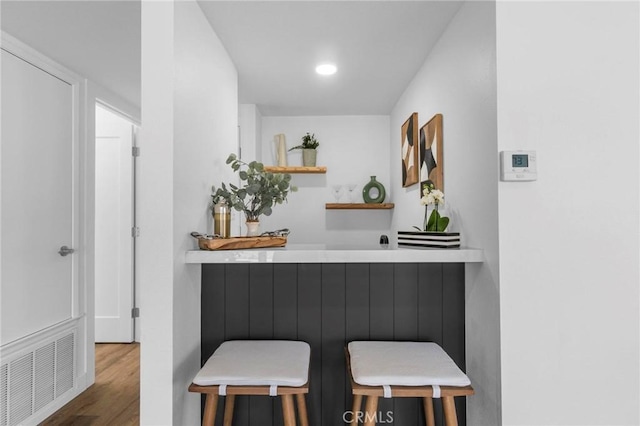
(296, 169)
(359, 206)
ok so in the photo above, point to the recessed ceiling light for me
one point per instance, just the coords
(326, 69)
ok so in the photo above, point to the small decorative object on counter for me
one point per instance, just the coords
(308, 147)
(373, 192)
(422, 239)
(222, 219)
(259, 192)
(432, 197)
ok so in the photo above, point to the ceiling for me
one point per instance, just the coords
(97, 39)
(378, 47)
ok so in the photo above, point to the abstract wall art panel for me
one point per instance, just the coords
(409, 140)
(431, 153)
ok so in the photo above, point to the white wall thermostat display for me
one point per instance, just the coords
(518, 166)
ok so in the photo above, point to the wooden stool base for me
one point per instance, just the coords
(286, 393)
(372, 393)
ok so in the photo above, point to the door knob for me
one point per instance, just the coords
(64, 250)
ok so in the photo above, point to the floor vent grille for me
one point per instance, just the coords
(21, 389)
(4, 391)
(44, 391)
(36, 378)
(65, 350)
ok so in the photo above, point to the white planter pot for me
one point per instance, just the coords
(309, 157)
(253, 229)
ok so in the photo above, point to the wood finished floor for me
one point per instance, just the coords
(114, 399)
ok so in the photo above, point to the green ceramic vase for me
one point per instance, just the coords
(373, 192)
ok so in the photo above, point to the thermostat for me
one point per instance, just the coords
(518, 166)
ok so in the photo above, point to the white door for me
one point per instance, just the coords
(39, 183)
(114, 221)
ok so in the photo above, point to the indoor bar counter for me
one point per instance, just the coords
(328, 296)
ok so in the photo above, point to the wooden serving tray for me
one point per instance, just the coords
(238, 243)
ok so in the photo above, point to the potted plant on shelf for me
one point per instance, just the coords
(432, 233)
(257, 194)
(308, 147)
(432, 197)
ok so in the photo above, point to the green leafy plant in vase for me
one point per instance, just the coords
(309, 149)
(258, 192)
(431, 196)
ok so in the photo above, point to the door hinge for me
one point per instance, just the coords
(135, 151)
(135, 313)
(135, 232)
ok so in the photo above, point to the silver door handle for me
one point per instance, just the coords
(64, 250)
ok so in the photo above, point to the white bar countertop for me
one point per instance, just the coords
(338, 253)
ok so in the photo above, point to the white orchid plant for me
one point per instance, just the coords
(432, 197)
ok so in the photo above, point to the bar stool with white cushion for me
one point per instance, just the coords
(255, 367)
(404, 369)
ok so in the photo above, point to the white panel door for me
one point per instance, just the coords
(114, 220)
(37, 199)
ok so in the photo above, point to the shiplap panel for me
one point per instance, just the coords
(430, 305)
(261, 302)
(237, 323)
(430, 311)
(328, 305)
(405, 327)
(333, 338)
(381, 301)
(285, 301)
(261, 327)
(381, 312)
(212, 305)
(453, 321)
(310, 331)
(213, 308)
(357, 302)
(236, 320)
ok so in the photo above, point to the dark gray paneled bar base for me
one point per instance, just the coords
(328, 305)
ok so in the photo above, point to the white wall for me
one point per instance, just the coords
(568, 88)
(155, 262)
(189, 126)
(206, 120)
(353, 148)
(250, 120)
(458, 80)
(250, 129)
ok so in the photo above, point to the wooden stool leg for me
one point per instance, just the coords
(428, 411)
(288, 411)
(357, 404)
(210, 407)
(370, 410)
(229, 403)
(302, 410)
(450, 417)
